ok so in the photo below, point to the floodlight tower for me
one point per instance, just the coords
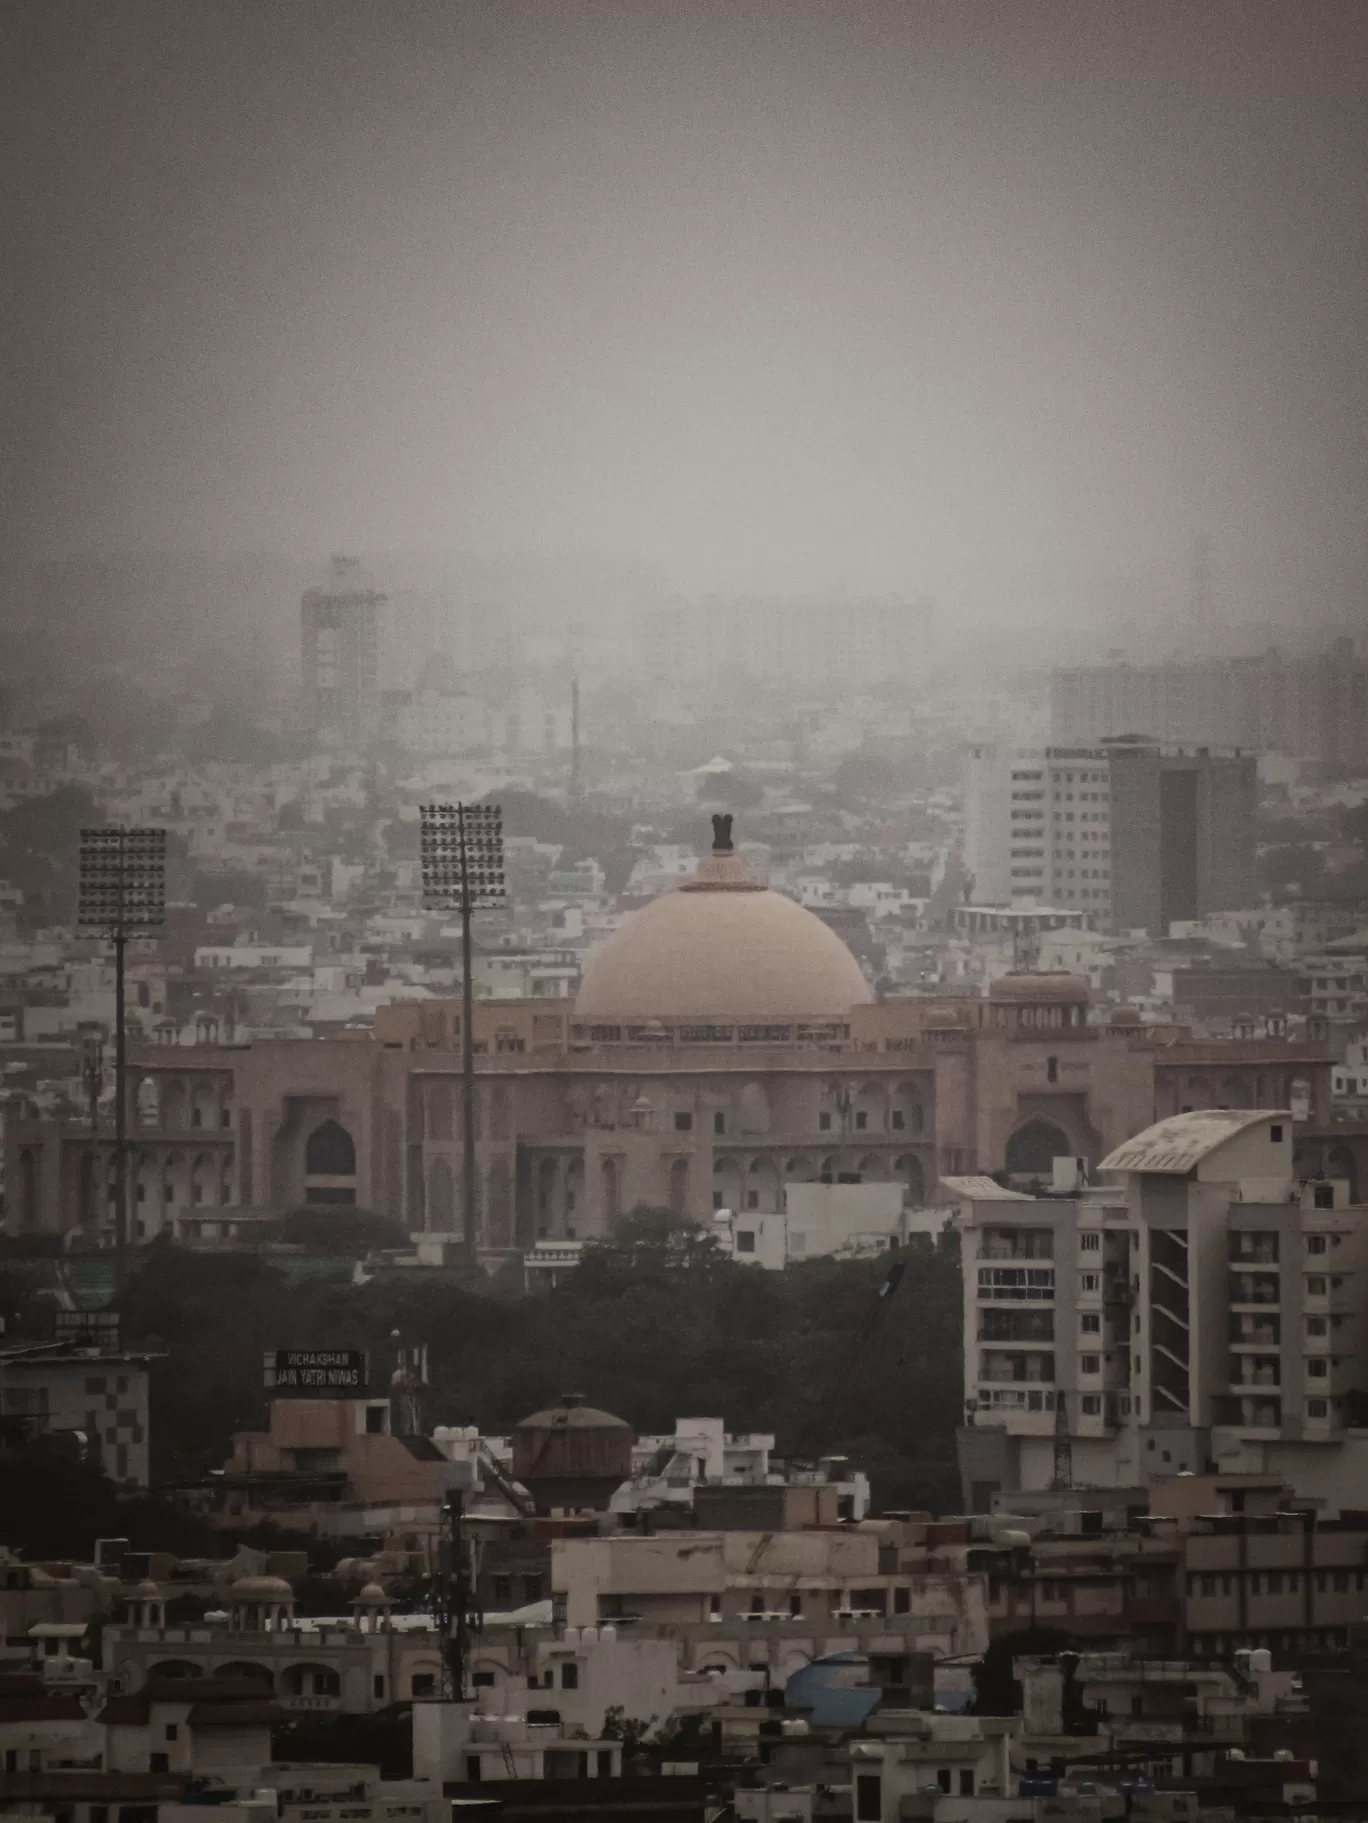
(462, 854)
(92, 1075)
(122, 894)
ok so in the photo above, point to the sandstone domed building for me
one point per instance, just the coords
(721, 948)
(723, 1046)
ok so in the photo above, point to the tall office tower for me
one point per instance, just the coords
(1314, 706)
(1182, 834)
(339, 652)
(1203, 1308)
(1037, 828)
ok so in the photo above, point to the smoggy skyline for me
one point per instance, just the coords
(1005, 303)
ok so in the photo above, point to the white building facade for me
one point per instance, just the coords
(1202, 1307)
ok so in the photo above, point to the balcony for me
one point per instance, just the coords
(1255, 1335)
(1254, 1288)
(1246, 1251)
(1032, 1284)
(1245, 1412)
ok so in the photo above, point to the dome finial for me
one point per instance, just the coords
(722, 833)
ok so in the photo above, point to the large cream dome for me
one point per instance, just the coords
(721, 947)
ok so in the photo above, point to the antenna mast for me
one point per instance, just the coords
(452, 1598)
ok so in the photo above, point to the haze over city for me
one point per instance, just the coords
(1004, 304)
(684, 912)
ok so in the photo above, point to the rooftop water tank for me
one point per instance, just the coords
(572, 1456)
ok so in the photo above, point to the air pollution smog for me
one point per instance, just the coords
(684, 911)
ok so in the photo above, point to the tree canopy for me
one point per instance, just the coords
(656, 1325)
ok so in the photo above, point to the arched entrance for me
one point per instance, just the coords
(1033, 1148)
(330, 1164)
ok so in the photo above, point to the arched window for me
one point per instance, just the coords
(611, 1195)
(173, 1184)
(330, 1152)
(203, 1181)
(753, 1109)
(311, 1680)
(909, 1170)
(679, 1186)
(1032, 1149)
(574, 1198)
(499, 1202)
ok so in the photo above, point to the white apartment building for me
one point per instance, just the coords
(1037, 827)
(1202, 1307)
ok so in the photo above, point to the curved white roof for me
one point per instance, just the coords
(1182, 1141)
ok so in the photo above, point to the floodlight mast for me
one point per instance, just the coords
(122, 893)
(463, 870)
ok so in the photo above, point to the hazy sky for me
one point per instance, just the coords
(905, 297)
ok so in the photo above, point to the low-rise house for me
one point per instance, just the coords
(199, 1726)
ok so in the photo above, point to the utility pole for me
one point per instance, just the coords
(462, 854)
(123, 894)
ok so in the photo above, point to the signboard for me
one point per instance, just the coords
(333, 1371)
(88, 1328)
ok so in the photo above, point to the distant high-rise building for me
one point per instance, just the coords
(1314, 706)
(1038, 828)
(1134, 835)
(339, 629)
(1183, 834)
